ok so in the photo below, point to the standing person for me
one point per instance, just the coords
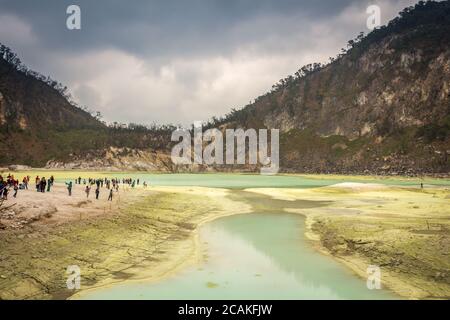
(87, 190)
(97, 192)
(38, 183)
(16, 188)
(2, 187)
(52, 179)
(69, 187)
(110, 195)
(43, 184)
(5, 193)
(25, 182)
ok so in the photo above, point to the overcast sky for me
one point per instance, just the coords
(179, 61)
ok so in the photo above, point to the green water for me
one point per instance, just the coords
(253, 256)
(241, 181)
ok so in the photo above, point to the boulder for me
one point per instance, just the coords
(17, 167)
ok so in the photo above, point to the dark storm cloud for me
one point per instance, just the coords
(158, 27)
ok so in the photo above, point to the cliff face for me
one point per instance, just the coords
(384, 106)
(117, 159)
(385, 89)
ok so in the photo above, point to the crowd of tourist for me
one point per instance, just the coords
(45, 185)
(6, 185)
(110, 184)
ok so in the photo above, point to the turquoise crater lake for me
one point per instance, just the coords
(242, 181)
(252, 256)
